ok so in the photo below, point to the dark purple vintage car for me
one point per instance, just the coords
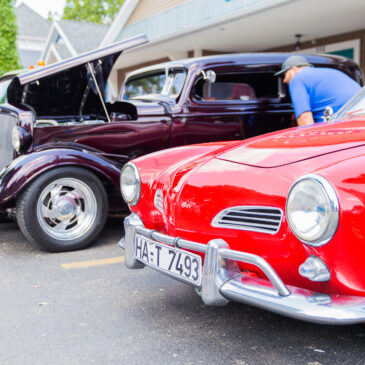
(62, 145)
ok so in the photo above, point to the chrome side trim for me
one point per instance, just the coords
(250, 218)
(222, 281)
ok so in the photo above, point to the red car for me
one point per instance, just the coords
(275, 221)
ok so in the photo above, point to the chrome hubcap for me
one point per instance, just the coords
(66, 209)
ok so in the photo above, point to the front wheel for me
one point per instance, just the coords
(63, 210)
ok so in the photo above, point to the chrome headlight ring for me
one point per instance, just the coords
(312, 210)
(130, 183)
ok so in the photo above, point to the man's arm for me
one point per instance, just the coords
(305, 118)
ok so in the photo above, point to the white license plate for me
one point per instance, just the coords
(178, 262)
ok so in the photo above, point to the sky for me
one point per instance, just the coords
(42, 7)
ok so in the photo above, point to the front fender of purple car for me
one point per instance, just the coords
(23, 170)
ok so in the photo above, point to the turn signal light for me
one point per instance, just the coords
(314, 269)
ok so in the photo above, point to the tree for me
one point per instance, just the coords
(93, 11)
(9, 59)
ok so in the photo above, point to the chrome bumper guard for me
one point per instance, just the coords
(222, 281)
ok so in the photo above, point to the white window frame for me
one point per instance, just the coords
(339, 46)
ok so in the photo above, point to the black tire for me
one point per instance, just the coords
(4, 217)
(42, 230)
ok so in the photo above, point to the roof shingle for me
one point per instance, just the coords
(30, 23)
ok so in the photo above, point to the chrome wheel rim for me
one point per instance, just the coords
(66, 209)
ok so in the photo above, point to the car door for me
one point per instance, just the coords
(242, 102)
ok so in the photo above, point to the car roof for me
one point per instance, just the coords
(245, 58)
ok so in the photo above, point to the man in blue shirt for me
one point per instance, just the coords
(313, 89)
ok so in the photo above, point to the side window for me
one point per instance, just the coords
(239, 86)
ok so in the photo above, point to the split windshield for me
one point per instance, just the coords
(162, 82)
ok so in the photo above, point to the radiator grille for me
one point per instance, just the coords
(250, 218)
(7, 123)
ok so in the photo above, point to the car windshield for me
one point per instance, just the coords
(157, 83)
(353, 108)
(3, 91)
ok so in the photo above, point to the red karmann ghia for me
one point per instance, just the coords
(276, 221)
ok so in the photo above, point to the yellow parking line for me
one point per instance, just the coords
(81, 264)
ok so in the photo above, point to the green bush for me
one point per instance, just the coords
(9, 59)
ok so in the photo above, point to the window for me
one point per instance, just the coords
(155, 83)
(238, 86)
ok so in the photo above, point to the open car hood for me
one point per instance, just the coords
(66, 87)
(298, 144)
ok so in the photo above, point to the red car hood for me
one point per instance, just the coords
(298, 144)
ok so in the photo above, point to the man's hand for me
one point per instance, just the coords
(305, 118)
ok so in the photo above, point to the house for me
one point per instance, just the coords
(69, 38)
(32, 34)
(186, 28)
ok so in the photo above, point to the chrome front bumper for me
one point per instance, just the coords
(222, 281)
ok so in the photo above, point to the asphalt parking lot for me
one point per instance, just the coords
(86, 307)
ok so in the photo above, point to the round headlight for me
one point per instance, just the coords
(312, 210)
(130, 184)
(15, 139)
(20, 139)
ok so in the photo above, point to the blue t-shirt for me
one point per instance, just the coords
(312, 89)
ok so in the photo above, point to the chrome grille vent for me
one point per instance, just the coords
(250, 218)
(158, 201)
(7, 123)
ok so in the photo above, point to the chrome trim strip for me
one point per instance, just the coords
(254, 213)
(243, 224)
(81, 59)
(174, 241)
(222, 281)
(246, 217)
